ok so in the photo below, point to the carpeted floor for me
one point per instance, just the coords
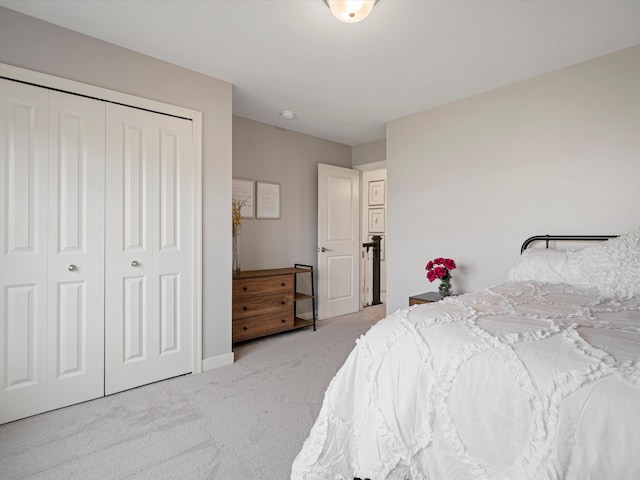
(243, 421)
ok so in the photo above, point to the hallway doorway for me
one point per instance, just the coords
(373, 222)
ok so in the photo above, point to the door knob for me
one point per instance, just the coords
(134, 263)
(72, 268)
(325, 250)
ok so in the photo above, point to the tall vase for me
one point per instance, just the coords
(236, 255)
(445, 286)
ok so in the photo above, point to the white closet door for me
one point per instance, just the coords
(148, 252)
(173, 247)
(23, 250)
(76, 249)
(128, 310)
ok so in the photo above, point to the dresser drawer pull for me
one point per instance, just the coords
(282, 284)
(245, 328)
(244, 308)
(283, 321)
(283, 302)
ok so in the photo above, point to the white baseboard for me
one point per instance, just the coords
(217, 361)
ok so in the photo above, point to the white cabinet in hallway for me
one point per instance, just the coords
(96, 261)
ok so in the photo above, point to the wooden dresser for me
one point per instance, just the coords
(264, 302)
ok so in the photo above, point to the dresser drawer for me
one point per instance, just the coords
(249, 307)
(251, 287)
(246, 328)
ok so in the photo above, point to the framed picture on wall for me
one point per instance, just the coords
(376, 192)
(267, 200)
(244, 190)
(376, 220)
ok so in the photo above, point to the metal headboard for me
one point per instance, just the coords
(548, 238)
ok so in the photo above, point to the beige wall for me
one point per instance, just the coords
(32, 44)
(471, 180)
(370, 152)
(273, 154)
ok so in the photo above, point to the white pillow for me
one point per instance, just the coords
(613, 267)
(547, 265)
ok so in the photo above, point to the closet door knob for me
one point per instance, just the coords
(134, 263)
(72, 268)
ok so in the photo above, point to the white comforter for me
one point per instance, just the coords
(520, 381)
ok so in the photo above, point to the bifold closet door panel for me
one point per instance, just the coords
(23, 249)
(76, 249)
(148, 253)
(173, 247)
(128, 270)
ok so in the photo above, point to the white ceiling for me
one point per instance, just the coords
(345, 81)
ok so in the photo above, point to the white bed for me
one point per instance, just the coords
(538, 378)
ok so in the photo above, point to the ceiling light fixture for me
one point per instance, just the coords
(350, 11)
(287, 114)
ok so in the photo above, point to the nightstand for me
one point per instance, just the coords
(428, 297)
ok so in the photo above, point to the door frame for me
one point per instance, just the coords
(11, 72)
(363, 207)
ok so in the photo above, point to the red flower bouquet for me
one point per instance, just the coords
(440, 268)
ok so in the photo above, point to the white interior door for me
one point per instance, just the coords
(338, 240)
(148, 253)
(23, 249)
(76, 249)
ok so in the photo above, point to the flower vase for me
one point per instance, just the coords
(445, 286)
(236, 256)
